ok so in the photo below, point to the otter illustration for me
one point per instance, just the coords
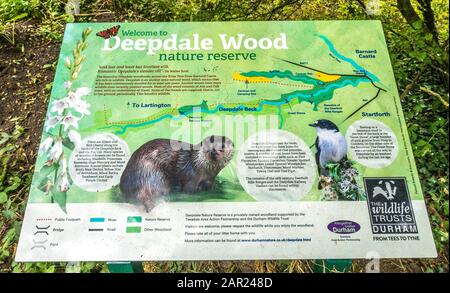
(163, 165)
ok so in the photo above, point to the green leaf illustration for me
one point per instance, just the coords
(59, 197)
(42, 176)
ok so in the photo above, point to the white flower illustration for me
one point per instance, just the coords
(63, 165)
(70, 120)
(56, 151)
(62, 119)
(64, 183)
(45, 145)
(52, 122)
(72, 98)
(83, 91)
(59, 106)
(74, 137)
(81, 106)
(67, 84)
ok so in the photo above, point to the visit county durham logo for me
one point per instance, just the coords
(390, 207)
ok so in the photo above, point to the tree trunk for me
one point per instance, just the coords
(428, 16)
(408, 12)
(428, 27)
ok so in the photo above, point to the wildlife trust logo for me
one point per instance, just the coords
(390, 206)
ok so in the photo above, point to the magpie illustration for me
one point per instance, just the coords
(337, 175)
(330, 144)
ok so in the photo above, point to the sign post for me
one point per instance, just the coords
(332, 266)
(224, 141)
(125, 267)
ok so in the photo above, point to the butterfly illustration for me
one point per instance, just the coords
(108, 33)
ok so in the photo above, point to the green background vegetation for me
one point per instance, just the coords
(417, 36)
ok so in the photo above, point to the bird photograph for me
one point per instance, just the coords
(338, 177)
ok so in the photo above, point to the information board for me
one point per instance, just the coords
(223, 141)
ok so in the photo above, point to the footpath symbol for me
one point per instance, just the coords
(390, 206)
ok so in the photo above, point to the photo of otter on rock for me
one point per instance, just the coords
(161, 166)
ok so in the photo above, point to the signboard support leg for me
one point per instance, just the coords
(332, 265)
(125, 267)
